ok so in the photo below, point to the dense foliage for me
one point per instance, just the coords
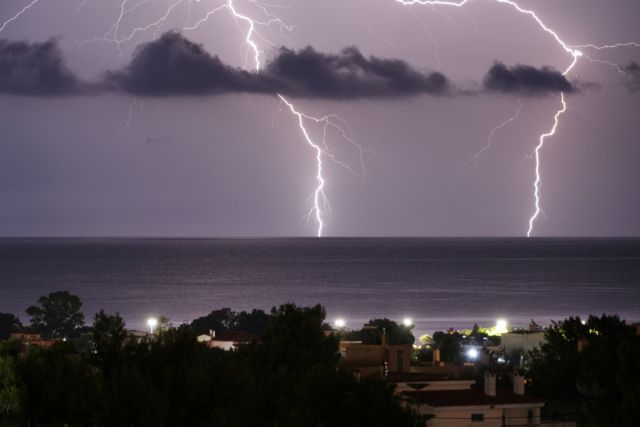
(372, 332)
(290, 378)
(225, 319)
(57, 315)
(590, 371)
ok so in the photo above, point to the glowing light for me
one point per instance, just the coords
(340, 323)
(152, 322)
(408, 322)
(472, 353)
(501, 326)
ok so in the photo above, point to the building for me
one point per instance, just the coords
(228, 340)
(518, 344)
(457, 403)
(32, 339)
(383, 358)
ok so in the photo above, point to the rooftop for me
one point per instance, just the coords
(471, 397)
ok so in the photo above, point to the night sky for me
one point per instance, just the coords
(172, 133)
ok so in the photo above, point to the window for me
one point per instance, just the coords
(477, 417)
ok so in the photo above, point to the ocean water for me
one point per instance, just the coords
(440, 283)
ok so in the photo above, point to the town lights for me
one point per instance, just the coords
(501, 326)
(339, 323)
(408, 322)
(152, 322)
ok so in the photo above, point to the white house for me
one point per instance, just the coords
(467, 406)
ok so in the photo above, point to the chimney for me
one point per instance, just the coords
(582, 342)
(436, 356)
(490, 384)
(518, 383)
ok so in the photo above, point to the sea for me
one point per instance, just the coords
(439, 283)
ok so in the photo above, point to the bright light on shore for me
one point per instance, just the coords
(152, 322)
(472, 354)
(408, 322)
(501, 326)
(340, 323)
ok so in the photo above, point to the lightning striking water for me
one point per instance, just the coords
(17, 15)
(496, 128)
(575, 54)
(538, 149)
(320, 200)
(319, 196)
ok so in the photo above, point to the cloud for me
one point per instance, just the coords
(35, 69)
(173, 65)
(350, 74)
(525, 80)
(632, 77)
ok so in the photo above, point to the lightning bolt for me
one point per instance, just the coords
(575, 54)
(319, 196)
(135, 103)
(322, 149)
(321, 204)
(17, 15)
(538, 149)
(606, 46)
(496, 128)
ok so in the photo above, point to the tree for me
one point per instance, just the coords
(450, 348)
(108, 337)
(396, 334)
(217, 321)
(226, 319)
(589, 370)
(57, 315)
(8, 324)
(254, 321)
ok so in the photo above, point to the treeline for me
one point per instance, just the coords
(291, 378)
(589, 371)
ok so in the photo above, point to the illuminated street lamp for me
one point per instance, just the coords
(339, 323)
(472, 354)
(408, 322)
(501, 326)
(152, 322)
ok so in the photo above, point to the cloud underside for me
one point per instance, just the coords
(174, 66)
(632, 77)
(35, 69)
(524, 79)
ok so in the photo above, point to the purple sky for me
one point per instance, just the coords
(237, 164)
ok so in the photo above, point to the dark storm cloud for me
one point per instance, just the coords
(525, 80)
(35, 69)
(350, 74)
(173, 65)
(632, 77)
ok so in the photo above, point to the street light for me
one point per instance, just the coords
(339, 323)
(472, 353)
(152, 322)
(408, 322)
(501, 326)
